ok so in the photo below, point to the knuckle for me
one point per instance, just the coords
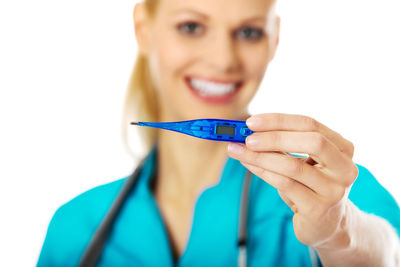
(311, 123)
(275, 120)
(352, 173)
(255, 157)
(350, 149)
(264, 173)
(347, 177)
(286, 184)
(320, 143)
(339, 192)
(296, 168)
(275, 137)
(278, 119)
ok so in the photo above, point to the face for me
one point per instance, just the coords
(207, 58)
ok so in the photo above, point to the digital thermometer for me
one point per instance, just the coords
(211, 129)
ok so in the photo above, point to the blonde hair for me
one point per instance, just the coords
(141, 102)
(141, 99)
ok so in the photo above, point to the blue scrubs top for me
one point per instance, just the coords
(139, 236)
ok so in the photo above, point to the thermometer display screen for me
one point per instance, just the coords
(225, 130)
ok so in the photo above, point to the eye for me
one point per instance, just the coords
(250, 33)
(191, 28)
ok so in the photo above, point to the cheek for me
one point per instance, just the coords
(172, 53)
(255, 61)
(170, 59)
(166, 59)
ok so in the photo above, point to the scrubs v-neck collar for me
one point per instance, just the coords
(229, 170)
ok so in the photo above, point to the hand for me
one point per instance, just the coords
(315, 188)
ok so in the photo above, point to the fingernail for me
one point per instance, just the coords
(253, 121)
(252, 140)
(235, 148)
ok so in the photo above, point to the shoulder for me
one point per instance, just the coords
(93, 200)
(90, 206)
(74, 223)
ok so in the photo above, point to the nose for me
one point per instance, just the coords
(222, 54)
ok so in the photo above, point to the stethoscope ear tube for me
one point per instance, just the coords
(95, 247)
(93, 251)
(244, 203)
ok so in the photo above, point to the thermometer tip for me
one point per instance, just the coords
(135, 123)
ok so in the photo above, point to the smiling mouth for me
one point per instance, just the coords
(212, 90)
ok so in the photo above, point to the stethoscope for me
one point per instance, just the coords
(94, 249)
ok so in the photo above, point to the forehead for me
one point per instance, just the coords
(223, 9)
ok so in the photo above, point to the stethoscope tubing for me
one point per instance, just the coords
(93, 251)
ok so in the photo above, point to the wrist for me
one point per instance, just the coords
(361, 240)
(343, 240)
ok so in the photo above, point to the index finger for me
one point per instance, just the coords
(293, 122)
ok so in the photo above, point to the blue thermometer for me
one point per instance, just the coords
(210, 129)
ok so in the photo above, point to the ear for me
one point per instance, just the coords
(275, 41)
(141, 25)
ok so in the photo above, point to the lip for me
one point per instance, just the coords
(214, 99)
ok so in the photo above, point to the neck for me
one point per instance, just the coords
(187, 164)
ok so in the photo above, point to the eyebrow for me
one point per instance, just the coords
(189, 10)
(204, 16)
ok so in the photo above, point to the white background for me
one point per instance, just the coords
(64, 67)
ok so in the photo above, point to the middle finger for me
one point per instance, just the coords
(313, 143)
(292, 167)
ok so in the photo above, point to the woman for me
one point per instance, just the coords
(206, 59)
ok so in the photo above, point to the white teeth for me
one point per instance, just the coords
(210, 88)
